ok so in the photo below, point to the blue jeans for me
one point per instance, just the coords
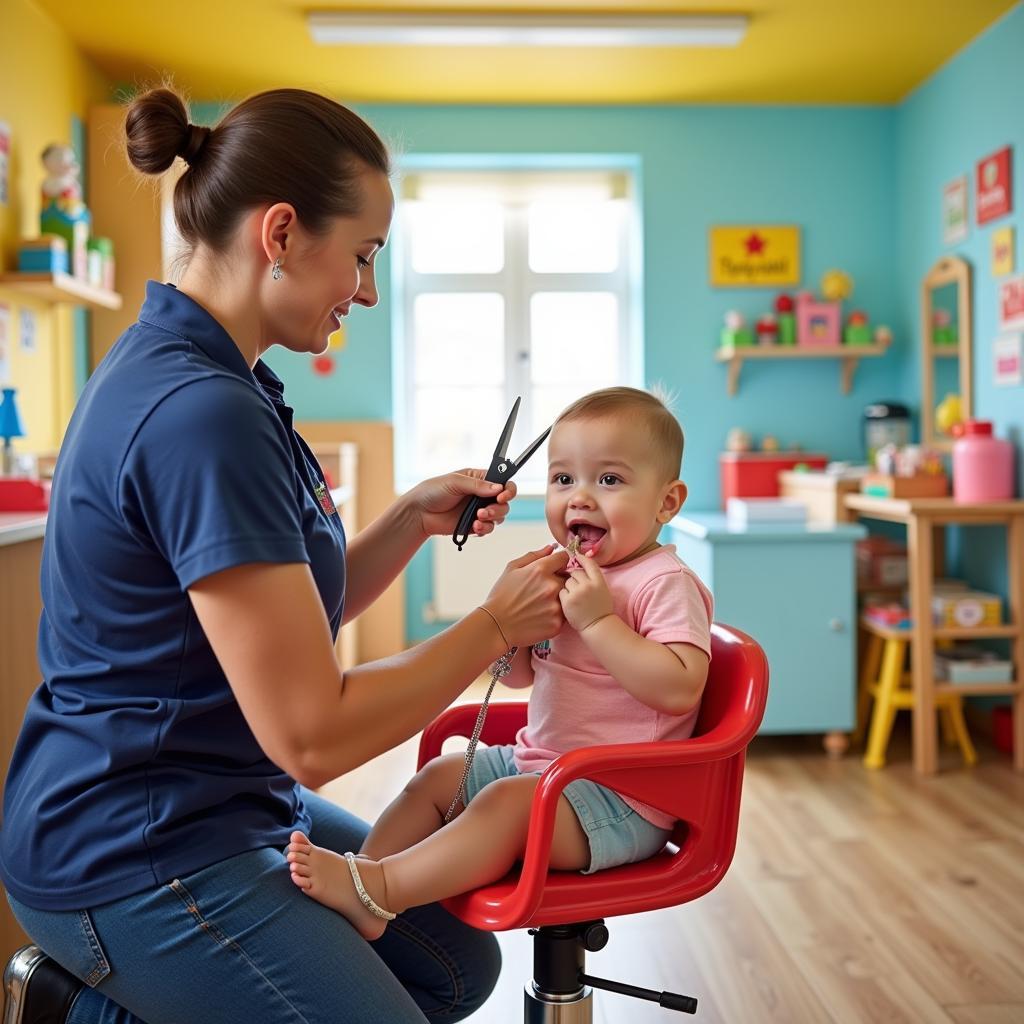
(238, 943)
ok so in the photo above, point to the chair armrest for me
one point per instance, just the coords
(504, 719)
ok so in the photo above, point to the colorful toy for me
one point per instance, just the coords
(786, 319)
(46, 255)
(948, 413)
(836, 285)
(61, 186)
(769, 443)
(944, 331)
(883, 335)
(63, 212)
(736, 333)
(738, 440)
(857, 331)
(767, 330)
(817, 323)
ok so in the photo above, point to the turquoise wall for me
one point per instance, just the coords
(829, 170)
(967, 110)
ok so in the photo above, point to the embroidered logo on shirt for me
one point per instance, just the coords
(324, 497)
(542, 650)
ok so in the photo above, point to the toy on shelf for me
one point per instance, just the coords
(770, 443)
(786, 319)
(738, 440)
(948, 413)
(944, 331)
(857, 330)
(767, 330)
(836, 285)
(883, 336)
(817, 323)
(909, 471)
(63, 212)
(890, 614)
(736, 333)
(45, 255)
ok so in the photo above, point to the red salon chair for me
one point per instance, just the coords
(698, 780)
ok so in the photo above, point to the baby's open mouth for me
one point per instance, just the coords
(588, 537)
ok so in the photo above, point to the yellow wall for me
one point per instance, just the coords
(44, 81)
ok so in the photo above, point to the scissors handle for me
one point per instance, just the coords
(468, 517)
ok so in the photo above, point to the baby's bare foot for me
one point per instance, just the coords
(324, 875)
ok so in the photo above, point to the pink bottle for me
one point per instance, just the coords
(982, 464)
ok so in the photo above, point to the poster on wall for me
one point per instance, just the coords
(954, 211)
(993, 196)
(754, 256)
(1002, 252)
(5, 162)
(1011, 302)
(1006, 359)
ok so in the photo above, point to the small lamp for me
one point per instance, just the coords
(10, 426)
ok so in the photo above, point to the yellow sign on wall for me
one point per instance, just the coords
(758, 256)
(1002, 252)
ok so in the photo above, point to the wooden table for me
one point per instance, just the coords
(921, 516)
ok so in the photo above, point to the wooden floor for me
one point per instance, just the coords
(855, 896)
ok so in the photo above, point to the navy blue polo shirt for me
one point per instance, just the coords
(134, 764)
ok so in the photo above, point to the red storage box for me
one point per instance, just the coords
(756, 474)
(23, 494)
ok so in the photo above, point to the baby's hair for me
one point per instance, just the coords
(646, 409)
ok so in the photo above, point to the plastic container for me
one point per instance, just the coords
(756, 474)
(982, 464)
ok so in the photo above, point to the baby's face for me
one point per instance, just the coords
(603, 488)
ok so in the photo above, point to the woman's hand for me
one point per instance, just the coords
(524, 601)
(438, 502)
(585, 598)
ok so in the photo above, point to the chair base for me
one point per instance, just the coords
(542, 1008)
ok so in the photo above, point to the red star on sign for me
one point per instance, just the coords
(755, 244)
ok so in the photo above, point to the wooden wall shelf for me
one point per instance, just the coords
(59, 287)
(848, 355)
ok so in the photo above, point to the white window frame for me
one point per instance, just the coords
(517, 283)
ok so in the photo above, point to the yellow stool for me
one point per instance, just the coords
(882, 677)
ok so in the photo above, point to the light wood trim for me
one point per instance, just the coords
(948, 270)
(381, 628)
(922, 662)
(900, 510)
(849, 355)
(59, 287)
(1015, 555)
(128, 207)
(1010, 689)
(20, 608)
(975, 632)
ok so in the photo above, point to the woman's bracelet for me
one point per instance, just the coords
(504, 639)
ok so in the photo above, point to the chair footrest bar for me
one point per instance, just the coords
(668, 1000)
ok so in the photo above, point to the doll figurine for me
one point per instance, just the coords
(61, 186)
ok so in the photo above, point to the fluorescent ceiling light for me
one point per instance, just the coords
(359, 29)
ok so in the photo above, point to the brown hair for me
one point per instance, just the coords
(650, 409)
(285, 145)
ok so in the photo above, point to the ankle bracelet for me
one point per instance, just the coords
(364, 897)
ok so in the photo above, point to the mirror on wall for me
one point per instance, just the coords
(946, 384)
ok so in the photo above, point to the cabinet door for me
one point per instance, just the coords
(796, 598)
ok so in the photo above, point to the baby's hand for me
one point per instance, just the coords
(585, 597)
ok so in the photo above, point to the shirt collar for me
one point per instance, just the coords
(173, 311)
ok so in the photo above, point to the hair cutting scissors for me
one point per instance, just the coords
(502, 469)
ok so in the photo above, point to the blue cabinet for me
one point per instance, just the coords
(792, 588)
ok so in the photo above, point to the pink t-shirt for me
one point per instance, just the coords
(576, 703)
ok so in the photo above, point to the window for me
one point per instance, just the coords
(517, 283)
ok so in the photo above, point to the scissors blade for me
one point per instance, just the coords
(501, 449)
(531, 449)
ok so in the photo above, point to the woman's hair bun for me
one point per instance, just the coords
(158, 130)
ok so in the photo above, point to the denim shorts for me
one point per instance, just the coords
(616, 833)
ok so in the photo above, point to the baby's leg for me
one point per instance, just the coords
(480, 846)
(476, 848)
(419, 810)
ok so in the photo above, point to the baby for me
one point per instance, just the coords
(629, 666)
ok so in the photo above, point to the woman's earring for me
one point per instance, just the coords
(275, 271)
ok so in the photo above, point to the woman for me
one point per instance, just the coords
(194, 574)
